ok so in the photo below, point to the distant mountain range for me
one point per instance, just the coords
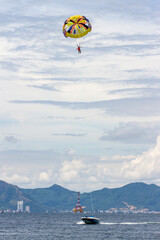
(57, 198)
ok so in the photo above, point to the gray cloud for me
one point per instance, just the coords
(134, 37)
(70, 134)
(48, 87)
(138, 91)
(131, 49)
(11, 139)
(119, 107)
(134, 133)
(9, 65)
(64, 118)
(140, 81)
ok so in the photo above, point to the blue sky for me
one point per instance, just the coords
(84, 121)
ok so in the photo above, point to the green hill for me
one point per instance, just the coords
(54, 198)
(57, 198)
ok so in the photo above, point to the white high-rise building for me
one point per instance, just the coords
(20, 206)
(27, 209)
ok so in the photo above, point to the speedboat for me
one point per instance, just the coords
(90, 220)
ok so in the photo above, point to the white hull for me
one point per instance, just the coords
(90, 220)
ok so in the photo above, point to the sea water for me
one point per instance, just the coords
(55, 226)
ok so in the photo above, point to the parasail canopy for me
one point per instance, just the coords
(76, 26)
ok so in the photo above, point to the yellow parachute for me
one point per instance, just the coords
(76, 27)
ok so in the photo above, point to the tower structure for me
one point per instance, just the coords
(78, 207)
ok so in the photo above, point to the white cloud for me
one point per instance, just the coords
(18, 179)
(115, 171)
(145, 166)
(44, 177)
(14, 177)
(71, 152)
(84, 174)
(71, 171)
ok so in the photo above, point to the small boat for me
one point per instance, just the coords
(90, 220)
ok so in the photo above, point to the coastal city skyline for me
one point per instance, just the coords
(83, 121)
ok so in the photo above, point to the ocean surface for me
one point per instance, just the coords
(47, 226)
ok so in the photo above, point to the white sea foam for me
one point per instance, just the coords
(80, 222)
(129, 223)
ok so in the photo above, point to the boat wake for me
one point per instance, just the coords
(129, 223)
(121, 223)
(80, 223)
